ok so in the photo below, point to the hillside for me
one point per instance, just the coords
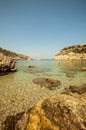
(72, 52)
(13, 55)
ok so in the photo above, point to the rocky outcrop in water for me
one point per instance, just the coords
(6, 64)
(63, 112)
(72, 52)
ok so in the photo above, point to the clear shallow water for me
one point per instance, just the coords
(18, 92)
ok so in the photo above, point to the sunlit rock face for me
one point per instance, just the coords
(6, 64)
(49, 83)
(63, 112)
(73, 52)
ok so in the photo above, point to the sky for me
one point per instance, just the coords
(40, 28)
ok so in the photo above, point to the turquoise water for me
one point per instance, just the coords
(18, 92)
(68, 72)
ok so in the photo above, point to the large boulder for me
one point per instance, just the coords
(6, 64)
(63, 112)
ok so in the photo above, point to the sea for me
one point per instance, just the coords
(18, 92)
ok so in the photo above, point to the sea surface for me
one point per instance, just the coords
(18, 92)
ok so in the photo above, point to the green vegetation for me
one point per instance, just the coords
(8, 53)
(76, 49)
(13, 54)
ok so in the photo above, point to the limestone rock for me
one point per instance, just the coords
(6, 64)
(32, 66)
(63, 112)
(72, 52)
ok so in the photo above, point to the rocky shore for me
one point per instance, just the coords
(66, 111)
(6, 64)
(77, 52)
(7, 58)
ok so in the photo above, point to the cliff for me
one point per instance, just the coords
(7, 63)
(13, 55)
(77, 52)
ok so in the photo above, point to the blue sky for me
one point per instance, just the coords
(40, 28)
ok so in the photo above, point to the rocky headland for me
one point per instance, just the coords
(7, 63)
(76, 52)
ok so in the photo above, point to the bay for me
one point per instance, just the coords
(18, 92)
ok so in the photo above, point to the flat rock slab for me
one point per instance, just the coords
(49, 83)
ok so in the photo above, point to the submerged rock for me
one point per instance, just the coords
(32, 66)
(34, 69)
(83, 69)
(6, 64)
(47, 82)
(76, 89)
